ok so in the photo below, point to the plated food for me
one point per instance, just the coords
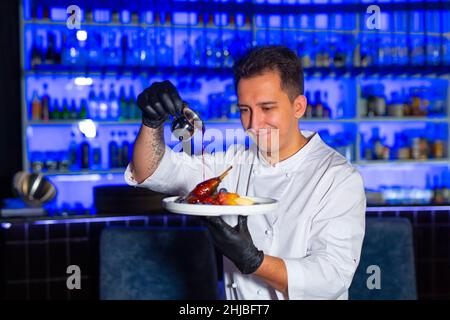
(206, 193)
(205, 200)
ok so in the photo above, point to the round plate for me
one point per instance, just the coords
(260, 206)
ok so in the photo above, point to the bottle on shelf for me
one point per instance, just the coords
(318, 107)
(326, 107)
(395, 108)
(83, 109)
(85, 158)
(164, 53)
(438, 142)
(113, 104)
(73, 152)
(51, 54)
(113, 149)
(102, 105)
(94, 49)
(96, 153)
(45, 101)
(73, 110)
(55, 113)
(37, 54)
(113, 53)
(401, 149)
(309, 113)
(36, 107)
(125, 150)
(65, 115)
(124, 112)
(133, 107)
(93, 104)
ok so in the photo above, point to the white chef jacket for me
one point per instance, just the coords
(317, 229)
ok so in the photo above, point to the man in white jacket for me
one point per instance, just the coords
(310, 247)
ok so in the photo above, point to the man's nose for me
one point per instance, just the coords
(256, 120)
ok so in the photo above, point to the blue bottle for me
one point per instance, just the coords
(113, 104)
(93, 104)
(102, 105)
(125, 149)
(113, 149)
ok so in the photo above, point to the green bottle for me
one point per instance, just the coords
(65, 110)
(55, 114)
(124, 112)
(73, 110)
(83, 109)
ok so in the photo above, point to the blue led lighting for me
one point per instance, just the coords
(408, 208)
(84, 220)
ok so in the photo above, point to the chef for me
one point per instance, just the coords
(309, 248)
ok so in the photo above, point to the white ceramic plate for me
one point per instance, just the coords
(260, 206)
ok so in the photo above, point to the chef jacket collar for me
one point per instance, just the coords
(292, 163)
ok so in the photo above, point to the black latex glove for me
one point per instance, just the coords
(157, 102)
(235, 243)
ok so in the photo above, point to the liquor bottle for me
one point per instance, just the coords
(164, 51)
(149, 51)
(113, 104)
(50, 53)
(438, 142)
(102, 105)
(96, 153)
(73, 110)
(378, 100)
(403, 149)
(65, 110)
(376, 144)
(309, 106)
(94, 49)
(318, 108)
(438, 196)
(326, 107)
(36, 107)
(415, 102)
(45, 101)
(133, 52)
(83, 109)
(123, 105)
(404, 100)
(134, 109)
(113, 54)
(93, 104)
(446, 186)
(70, 50)
(55, 114)
(125, 149)
(36, 52)
(85, 154)
(73, 152)
(395, 107)
(113, 150)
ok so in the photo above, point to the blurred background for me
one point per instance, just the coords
(377, 84)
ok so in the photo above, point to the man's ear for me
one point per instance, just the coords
(300, 106)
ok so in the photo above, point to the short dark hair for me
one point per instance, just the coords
(259, 60)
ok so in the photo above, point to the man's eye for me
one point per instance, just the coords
(243, 110)
(266, 108)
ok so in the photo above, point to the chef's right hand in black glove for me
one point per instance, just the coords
(157, 102)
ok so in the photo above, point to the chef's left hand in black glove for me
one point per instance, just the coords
(235, 243)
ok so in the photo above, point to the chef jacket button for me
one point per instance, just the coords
(268, 233)
(259, 292)
(255, 171)
(288, 175)
(234, 285)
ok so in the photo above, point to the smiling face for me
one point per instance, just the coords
(268, 113)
